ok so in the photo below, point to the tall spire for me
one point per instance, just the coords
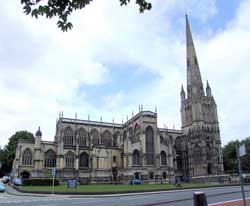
(194, 81)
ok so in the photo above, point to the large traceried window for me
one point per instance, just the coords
(163, 158)
(197, 154)
(27, 157)
(84, 160)
(136, 136)
(106, 138)
(70, 160)
(136, 157)
(50, 159)
(95, 136)
(149, 145)
(68, 137)
(82, 135)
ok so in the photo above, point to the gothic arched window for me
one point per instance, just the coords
(95, 136)
(136, 157)
(178, 162)
(197, 154)
(163, 158)
(178, 142)
(137, 128)
(106, 138)
(27, 157)
(209, 152)
(136, 135)
(130, 133)
(68, 137)
(84, 160)
(70, 160)
(82, 135)
(149, 145)
(50, 159)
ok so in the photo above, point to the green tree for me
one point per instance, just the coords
(245, 161)
(7, 154)
(230, 156)
(64, 8)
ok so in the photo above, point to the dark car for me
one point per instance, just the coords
(135, 181)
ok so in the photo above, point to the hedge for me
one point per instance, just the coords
(39, 182)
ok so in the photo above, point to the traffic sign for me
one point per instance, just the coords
(242, 150)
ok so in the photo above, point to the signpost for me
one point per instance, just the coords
(241, 151)
(53, 173)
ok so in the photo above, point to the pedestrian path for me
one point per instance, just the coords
(238, 202)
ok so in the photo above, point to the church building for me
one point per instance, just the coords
(107, 152)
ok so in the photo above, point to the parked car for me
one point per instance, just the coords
(135, 181)
(17, 181)
(5, 179)
(2, 187)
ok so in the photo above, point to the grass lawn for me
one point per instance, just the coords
(110, 188)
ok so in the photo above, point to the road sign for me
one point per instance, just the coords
(72, 183)
(242, 150)
(53, 172)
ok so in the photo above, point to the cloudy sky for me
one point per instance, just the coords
(115, 59)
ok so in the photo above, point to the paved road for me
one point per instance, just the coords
(164, 198)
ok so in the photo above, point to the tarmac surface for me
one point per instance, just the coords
(169, 198)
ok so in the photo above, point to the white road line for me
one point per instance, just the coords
(227, 201)
(85, 202)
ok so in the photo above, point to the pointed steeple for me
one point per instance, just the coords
(194, 81)
(183, 94)
(208, 90)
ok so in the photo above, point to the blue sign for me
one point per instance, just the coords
(71, 183)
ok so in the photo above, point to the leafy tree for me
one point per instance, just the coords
(64, 8)
(230, 156)
(7, 154)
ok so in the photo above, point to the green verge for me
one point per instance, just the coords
(115, 188)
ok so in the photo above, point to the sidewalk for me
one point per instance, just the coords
(10, 190)
(232, 203)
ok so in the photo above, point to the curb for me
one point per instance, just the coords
(120, 192)
(117, 194)
(18, 193)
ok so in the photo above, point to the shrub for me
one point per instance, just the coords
(39, 182)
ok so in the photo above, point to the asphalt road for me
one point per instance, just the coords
(174, 198)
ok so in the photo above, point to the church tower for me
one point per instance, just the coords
(199, 118)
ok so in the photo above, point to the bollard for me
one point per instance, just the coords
(200, 199)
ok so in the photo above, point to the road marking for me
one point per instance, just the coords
(49, 204)
(217, 203)
(84, 202)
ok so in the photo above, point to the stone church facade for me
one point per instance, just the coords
(104, 152)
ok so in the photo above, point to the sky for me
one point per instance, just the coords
(115, 58)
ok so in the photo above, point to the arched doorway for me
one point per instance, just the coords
(209, 168)
(25, 175)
